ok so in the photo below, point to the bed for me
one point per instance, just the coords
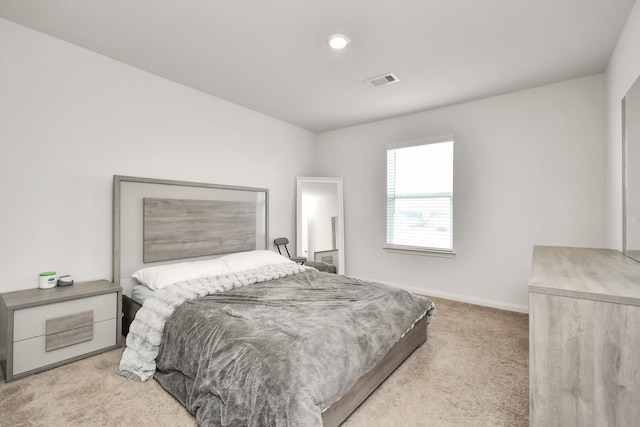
(221, 325)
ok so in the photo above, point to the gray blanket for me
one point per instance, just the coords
(145, 332)
(280, 352)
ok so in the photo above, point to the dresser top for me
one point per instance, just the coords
(33, 297)
(597, 274)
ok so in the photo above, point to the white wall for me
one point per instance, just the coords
(528, 171)
(622, 71)
(71, 119)
(529, 166)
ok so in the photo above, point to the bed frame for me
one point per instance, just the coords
(339, 410)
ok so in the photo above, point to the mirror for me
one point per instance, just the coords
(320, 220)
(631, 172)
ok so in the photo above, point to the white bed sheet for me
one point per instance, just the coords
(140, 293)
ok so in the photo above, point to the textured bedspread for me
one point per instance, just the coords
(278, 353)
(145, 333)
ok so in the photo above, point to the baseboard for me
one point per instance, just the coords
(461, 298)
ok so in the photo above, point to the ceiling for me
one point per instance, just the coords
(272, 55)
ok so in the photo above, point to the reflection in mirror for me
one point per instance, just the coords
(631, 172)
(320, 220)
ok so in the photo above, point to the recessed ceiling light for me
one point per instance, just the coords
(338, 41)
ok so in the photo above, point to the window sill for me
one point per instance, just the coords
(440, 253)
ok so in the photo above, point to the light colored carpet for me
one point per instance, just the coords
(473, 371)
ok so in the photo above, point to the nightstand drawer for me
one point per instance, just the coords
(32, 353)
(32, 322)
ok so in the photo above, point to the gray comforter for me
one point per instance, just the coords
(278, 353)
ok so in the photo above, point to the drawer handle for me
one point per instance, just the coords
(70, 337)
(72, 321)
(69, 330)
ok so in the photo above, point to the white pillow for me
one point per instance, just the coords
(162, 275)
(253, 259)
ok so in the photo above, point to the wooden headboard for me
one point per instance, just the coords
(158, 221)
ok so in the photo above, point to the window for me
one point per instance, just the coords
(420, 196)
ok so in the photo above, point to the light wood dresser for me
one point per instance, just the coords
(44, 328)
(584, 338)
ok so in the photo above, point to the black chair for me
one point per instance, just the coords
(283, 241)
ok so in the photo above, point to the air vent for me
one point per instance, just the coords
(385, 79)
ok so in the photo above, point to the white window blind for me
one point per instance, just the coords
(420, 196)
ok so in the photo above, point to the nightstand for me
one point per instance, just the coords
(44, 328)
